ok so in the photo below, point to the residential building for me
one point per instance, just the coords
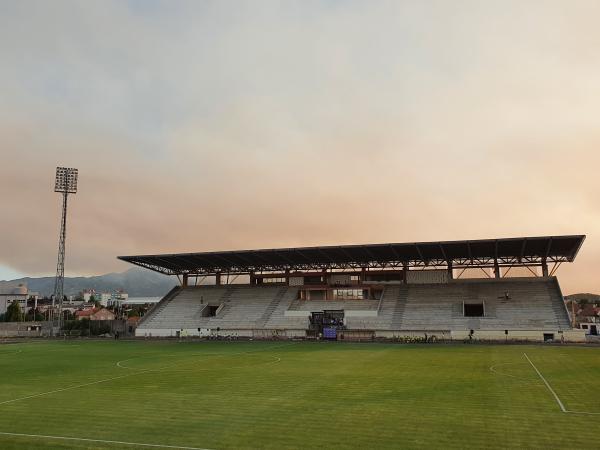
(95, 314)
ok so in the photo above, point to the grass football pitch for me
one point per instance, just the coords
(222, 395)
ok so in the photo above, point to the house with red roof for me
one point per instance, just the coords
(95, 314)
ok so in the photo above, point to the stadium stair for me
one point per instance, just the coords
(401, 295)
(225, 300)
(385, 311)
(279, 321)
(260, 323)
(160, 306)
(558, 305)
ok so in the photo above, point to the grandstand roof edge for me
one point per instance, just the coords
(477, 253)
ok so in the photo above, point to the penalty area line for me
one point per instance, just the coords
(102, 441)
(562, 407)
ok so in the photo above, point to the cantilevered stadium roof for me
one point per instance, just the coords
(524, 251)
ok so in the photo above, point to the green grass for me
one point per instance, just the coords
(220, 395)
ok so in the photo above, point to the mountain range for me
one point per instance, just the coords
(137, 282)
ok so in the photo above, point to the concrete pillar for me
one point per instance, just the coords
(287, 277)
(544, 268)
(218, 279)
(450, 271)
(184, 281)
(405, 273)
(363, 275)
(252, 279)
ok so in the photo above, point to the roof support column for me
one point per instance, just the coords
(252, 279)
(405, 272)
(496, 269)
(363, 275)
(287, 277)
(218, 279)
(450, 270)
(544, 267)
(184, 281)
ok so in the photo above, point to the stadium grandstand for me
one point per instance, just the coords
(451, 290)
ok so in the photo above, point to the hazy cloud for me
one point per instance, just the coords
(222, 125)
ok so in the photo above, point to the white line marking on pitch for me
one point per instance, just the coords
(583, 412)
(504, 374)
(562, 407)
(68, 388)
(103, 441)
(139, 444)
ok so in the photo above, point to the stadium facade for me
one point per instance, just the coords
(378, 291)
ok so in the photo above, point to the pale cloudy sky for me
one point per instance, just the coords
(230, 124)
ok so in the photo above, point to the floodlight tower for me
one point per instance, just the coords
(65, 183)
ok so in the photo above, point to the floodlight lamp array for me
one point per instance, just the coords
(66, 180)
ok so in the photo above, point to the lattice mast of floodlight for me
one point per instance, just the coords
(65, 183)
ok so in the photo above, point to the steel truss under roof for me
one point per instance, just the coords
(483, 253)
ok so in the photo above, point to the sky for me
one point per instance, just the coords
(218, 125)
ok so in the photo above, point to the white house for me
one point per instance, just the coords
(20, 294)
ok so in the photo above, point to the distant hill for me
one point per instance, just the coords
(137, 282)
